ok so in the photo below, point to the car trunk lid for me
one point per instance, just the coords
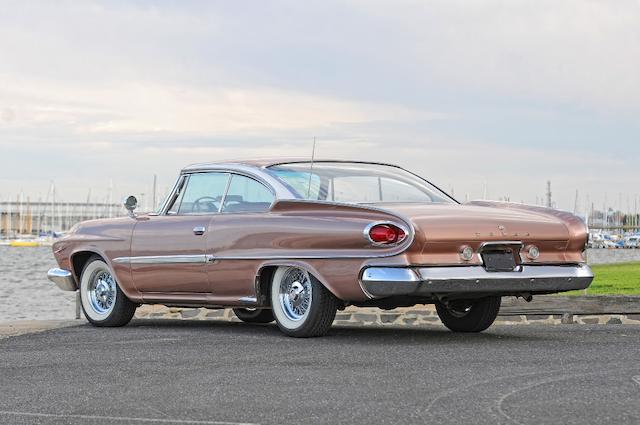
(455, 222)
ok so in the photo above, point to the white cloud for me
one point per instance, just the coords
(579, 52)
(147, 107)
(511, 93)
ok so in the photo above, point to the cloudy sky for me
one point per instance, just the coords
(471, 94)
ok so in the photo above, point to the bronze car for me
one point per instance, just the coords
(294, 241)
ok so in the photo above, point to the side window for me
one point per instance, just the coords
(202, 194)
(246, 195)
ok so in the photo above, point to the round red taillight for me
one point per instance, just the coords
(386, 234)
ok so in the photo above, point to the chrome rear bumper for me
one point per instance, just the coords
(379, 282)
(63, 279)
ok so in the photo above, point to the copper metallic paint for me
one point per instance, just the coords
(326, 239)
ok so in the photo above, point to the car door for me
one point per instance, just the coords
(168, 250)
(245, 206)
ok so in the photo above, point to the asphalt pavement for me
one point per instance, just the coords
(206, 372)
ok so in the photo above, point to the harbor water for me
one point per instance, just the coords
(25, 291)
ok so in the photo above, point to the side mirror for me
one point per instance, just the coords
(131, 203)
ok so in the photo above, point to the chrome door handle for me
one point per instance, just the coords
(199, 231)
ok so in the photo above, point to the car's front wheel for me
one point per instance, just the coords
(301, 305)
(103, 302)
(469, 315)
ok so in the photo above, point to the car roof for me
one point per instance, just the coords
(257, 162)
(267, 162)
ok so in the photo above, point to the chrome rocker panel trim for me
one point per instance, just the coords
(63, 279)
(379, 282)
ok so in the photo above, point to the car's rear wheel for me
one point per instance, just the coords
(254, 315)
(469, 315)
(301, 305)
(103, 302)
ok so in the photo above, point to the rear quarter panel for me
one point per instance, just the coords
(326, 239)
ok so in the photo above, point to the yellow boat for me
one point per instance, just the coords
(24, 243)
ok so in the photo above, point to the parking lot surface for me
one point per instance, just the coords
(188, 372)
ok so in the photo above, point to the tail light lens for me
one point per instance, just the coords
(385, 234)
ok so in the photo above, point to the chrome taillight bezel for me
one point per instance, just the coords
(367, 230)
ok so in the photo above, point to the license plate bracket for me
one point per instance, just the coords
(499, 260)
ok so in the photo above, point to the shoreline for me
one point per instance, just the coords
(550, 310)
(23, 327)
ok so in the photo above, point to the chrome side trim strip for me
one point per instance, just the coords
(195, 259)
(163, 259)
(301, 257)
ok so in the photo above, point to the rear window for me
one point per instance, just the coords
(356, 183)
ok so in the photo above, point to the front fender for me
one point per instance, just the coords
(108, 239)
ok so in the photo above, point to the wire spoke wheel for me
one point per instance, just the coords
(301, 305)
(103, 302)
(295, 294)
(102, 292)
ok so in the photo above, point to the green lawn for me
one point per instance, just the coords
(614, 279)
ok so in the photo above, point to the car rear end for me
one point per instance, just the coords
(470, 251)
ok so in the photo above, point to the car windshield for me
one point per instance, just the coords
(356, 183)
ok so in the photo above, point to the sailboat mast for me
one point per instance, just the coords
(154, 205)
(20, 214)
(110, 207)
(10, 217)
(53, 209)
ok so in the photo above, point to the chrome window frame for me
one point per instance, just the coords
(278, 190)
(186, 177)
(172, 198)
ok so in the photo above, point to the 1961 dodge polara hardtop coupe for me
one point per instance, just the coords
(294, 241)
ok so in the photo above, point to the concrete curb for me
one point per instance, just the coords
(578, 305)
(413, 316)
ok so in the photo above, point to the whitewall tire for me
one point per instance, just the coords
(301, 305)
(103, 302)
